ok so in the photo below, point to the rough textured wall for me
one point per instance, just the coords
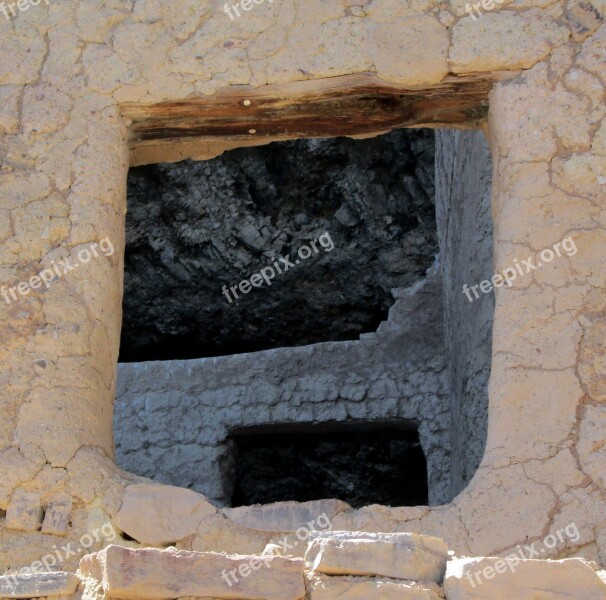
(173, 418)
(463, 182)
(193, 227)
(64, 145)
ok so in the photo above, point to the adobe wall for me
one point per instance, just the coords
(64, 146)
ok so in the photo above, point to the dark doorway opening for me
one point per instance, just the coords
(361, 464)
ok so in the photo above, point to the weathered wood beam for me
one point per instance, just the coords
(340, 106)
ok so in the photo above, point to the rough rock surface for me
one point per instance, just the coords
(496, 579)
(152, 574)
(193, 227)
(396, 555)
(161, 514)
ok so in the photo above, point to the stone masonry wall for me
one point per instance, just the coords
(172, 419)
(71, 70)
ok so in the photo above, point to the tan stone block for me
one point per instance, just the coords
(24, 511)
(409, 50)
(50, 413)
(157, 514)
(219, 534)
(362, 588)
(38, 585)
(152, 574)
(397, 555)
(21, 187)
(532, 337)
(340, 46)
(528, 580)
(504, 41)
(287, 516)
(519, 127)
(56, 517)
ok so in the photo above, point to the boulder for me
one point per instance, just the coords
(154, 574)
(504, 579)
(408, 556)
(361, 588)
(161, 514)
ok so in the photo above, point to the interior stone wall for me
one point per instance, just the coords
(172, 419)
(66, 146)
(463, 210)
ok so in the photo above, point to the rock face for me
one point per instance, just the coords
(160, 514)
(397, 555)
(504, 579)
(193, 227)
(151, 574)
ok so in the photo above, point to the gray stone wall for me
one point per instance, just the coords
(463, 182)
(172, 419)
